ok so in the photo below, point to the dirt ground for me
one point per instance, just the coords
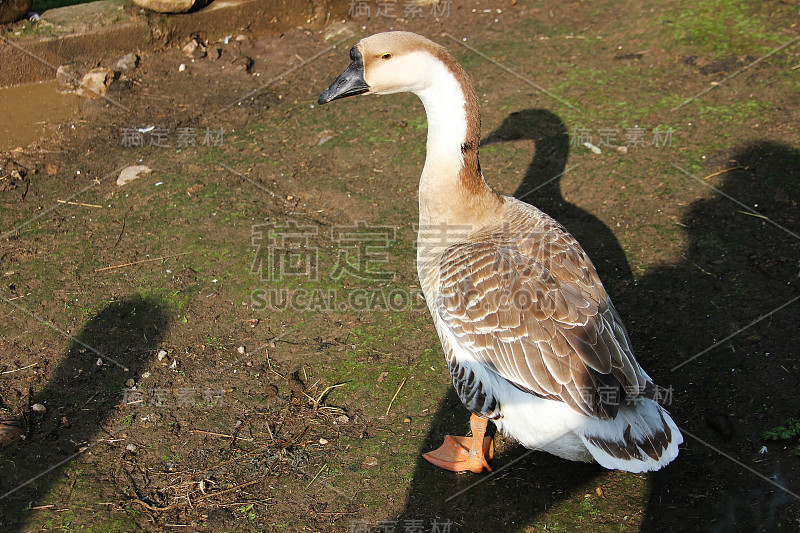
(236, 340)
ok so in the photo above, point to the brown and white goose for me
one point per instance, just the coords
(531, 338)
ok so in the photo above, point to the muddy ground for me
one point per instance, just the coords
(235, 341)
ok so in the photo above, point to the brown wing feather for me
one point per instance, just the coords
(526, 300)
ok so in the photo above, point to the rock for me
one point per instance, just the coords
(194, 49)
(131, 448)
(13, 10)
(95, 83)
(242, 63)
(214, 52)
(241, 350)
(161, 355)
(68, 77)
(131, 173)
(38, 408)
(127, 62)
(166, 6)
(323, 442)
(130, 383)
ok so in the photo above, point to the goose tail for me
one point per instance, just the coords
(642, 437)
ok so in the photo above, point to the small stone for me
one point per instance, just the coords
(95, 83)
(38, 408)
(161, 355)
(241, 37)
(166, 6)
(127, 62)
(130, 383)
(131, 173)
(146, 375)
(342, 419)
(68, 77)
(181, 67)
(241, 350)
(131, 448)
(323, 442)
(622, 149)
(369, 462)
(214, 52)
(194, 49)
(407, 420)
(243, 63)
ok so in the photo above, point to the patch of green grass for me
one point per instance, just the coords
(789, 431)
(725, 27)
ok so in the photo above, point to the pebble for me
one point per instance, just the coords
(38, 408)
(131, 448)
(342, 419)
(130, 383)
(161, 355)
(182, 67)
(95, 83)
(127, 62)
(194, 50)
(241, 350)
(323, 442)
(131, 173)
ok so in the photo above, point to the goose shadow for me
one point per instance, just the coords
(78, 397)
(737, 267)
(536, 480)
(541, 188)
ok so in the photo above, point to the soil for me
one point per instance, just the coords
(236, 341)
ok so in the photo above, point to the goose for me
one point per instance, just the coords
(531, 338)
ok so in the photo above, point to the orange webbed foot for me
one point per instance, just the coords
(462, 454)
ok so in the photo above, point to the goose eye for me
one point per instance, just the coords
(386, 56)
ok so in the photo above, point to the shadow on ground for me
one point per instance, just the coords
(738, 267)
(79, 398)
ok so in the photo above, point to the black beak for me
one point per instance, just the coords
(350, 82)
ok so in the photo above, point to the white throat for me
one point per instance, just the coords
(444, 102)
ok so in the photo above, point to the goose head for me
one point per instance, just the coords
(386, 63)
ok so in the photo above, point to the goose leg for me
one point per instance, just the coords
(461, 454)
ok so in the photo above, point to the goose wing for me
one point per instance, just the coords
(529, 306)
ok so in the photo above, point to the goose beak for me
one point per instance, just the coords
(350, 82)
